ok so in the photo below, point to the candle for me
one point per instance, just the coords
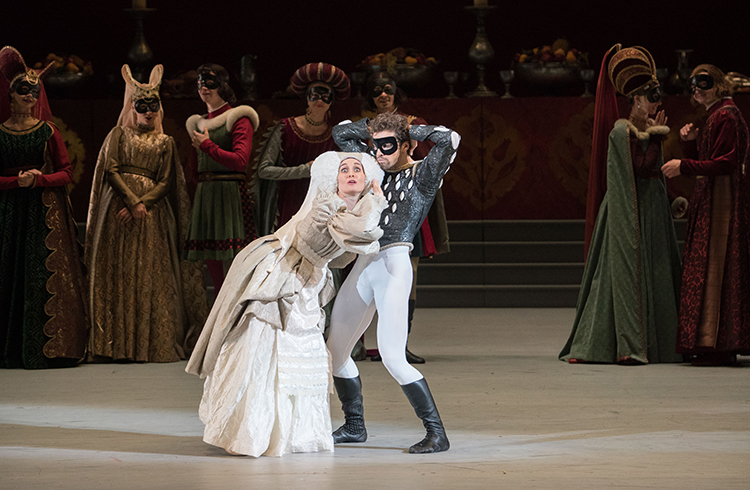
(477, 3)
(141, 4)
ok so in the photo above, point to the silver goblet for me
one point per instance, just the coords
(587, 75)
(507, 76)
(450, 77)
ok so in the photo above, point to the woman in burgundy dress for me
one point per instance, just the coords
(283, 164)
(714, 321)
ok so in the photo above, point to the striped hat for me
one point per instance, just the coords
(632, 69)
(321, 72)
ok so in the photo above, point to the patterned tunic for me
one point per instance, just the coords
(715, 297)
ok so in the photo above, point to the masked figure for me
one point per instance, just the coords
(715, 303)
(222, 222)
(383, 281)
(627, 306)
(43, 321)
(262, 351)
(384, 96)
(145, 300)
(283, 163)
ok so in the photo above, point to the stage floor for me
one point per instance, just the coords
(515, 415)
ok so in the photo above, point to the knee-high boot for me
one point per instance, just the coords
(420, 398)
(349, 391)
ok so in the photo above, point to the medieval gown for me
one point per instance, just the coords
(262, 351)
(144, 299)
(715, 302)
(43, 320)
(627, 306)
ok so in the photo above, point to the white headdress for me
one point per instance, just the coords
(324, 180)
(135, 90)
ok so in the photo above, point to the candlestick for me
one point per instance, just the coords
(481, 51)
(140, 55)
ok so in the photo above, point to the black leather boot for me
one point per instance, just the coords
(420, 398)
(412, 358)
(349, 391)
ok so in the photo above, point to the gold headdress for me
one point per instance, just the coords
(140, 90)
(13, 67)
(135, 90)
(632, 69)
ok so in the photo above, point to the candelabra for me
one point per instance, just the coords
(481, 52)
(140, 56)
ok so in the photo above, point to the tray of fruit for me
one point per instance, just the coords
(67, 71)
(409, 67)
(553, 64)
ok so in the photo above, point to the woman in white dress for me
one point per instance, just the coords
(262, 351)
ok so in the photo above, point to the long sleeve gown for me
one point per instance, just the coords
(262, 353)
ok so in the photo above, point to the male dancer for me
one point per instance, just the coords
(383, 95)
(383, 281)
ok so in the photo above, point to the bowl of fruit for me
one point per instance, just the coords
(408, 66)
(550, 66)
(68, 74)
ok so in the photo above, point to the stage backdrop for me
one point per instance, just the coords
(523, 158)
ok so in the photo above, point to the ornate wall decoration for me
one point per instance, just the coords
(76, 150)
(570, 153)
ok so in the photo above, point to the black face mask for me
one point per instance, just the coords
(24, 88)
(380, 85)
(208, 80)
(143, 106)
(387, 145)
(654, 95)
(320, 93)
(702, 81)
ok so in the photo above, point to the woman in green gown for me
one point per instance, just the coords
(627, 306)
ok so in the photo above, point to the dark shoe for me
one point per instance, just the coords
(413, 358)
(418, 394)
(714, 359)
(349, 391)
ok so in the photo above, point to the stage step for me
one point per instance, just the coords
(519, 263)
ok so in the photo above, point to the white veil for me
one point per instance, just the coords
(323, 180)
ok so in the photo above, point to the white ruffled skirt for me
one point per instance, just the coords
(269, 391)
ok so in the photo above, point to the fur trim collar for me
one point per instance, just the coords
(228, 119)
(645, 135)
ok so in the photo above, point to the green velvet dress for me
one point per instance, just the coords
(627, 306)
(43, 321)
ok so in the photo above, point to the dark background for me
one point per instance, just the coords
(286, 34)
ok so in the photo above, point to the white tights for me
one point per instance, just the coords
(381, 282)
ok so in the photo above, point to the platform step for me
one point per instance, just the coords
(493, 296)
(500, 274)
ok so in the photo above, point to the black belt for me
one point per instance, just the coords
(127, 169)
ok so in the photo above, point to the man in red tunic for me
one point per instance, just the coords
(715, 297)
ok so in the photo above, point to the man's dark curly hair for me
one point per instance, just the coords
(390, 121)
(225, 91)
